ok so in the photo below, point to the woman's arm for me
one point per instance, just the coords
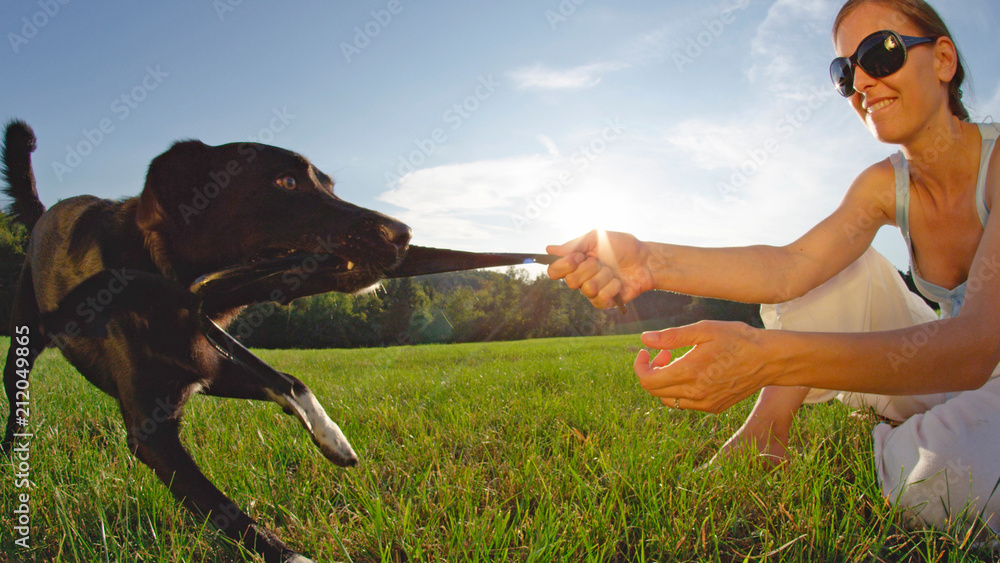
(730, 361)
(603, 265)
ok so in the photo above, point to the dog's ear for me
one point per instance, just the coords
(170, 182)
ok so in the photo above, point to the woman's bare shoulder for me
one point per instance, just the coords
(880, 175)
(875, 188)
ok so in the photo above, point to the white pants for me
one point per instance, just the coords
(942, 463)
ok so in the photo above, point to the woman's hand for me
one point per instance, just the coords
(603, 265)
(724, 367)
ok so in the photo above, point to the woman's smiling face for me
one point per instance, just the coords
(897, 106)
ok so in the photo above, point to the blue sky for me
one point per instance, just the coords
(485, 125)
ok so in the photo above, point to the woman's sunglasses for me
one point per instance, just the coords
(879, 55)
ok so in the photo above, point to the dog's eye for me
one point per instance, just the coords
(286, 182)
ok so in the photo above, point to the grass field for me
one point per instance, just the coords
(542, 450)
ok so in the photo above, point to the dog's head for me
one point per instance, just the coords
(266, 217)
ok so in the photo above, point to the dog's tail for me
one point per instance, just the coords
(18, 144)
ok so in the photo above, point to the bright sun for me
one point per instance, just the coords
(575, 216)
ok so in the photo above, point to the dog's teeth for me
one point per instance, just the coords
(350, 265)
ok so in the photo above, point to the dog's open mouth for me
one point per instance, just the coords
(283, 275)
(276, 260)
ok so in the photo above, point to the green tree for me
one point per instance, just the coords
(13, 239)
(407, 312)
(702, 308)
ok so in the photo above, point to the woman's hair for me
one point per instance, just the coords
(922, 15)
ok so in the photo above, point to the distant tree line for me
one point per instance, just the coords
(472, 306)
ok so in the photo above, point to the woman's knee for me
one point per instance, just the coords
(942, 484)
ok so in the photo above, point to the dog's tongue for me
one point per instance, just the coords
(421, 260)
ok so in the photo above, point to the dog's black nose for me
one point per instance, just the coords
(396, 234)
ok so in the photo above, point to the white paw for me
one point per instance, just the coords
(324, 432)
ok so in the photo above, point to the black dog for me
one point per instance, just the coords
(204, 209)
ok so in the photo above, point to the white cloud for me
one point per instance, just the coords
(526, 201)
(458, 204)
(550, 145)
(540, 77)
(471, 186)
(653, 46)
(646, 48)
(714, 144)
(784, 51)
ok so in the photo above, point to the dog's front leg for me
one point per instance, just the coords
(324, 432)
(26, 343)
(152, 420)
(242, 377)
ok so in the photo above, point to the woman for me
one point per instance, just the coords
(849, 324)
